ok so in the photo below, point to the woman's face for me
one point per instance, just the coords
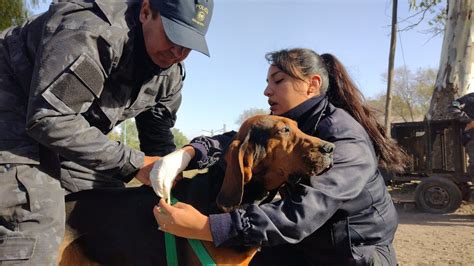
(285, 92)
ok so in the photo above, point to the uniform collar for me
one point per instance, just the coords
(302, 109)
(309, 113)
(114, 11)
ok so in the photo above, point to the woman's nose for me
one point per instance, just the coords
(267, 91)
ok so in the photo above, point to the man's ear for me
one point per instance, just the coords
(315, 85)
(145, 11)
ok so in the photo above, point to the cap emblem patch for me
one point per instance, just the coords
(201, 12)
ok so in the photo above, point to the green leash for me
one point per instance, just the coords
(196, 245)
(171, 254)
(201, 252)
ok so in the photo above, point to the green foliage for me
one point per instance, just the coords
(15, 12)
(249, 113)
(431, 11)
(114, 135)
(128, 135)
(12, 12)
(179, 138)
(411, 94)
(420, 4)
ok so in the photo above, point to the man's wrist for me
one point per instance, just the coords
(132, 166)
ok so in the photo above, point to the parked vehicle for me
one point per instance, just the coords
(438, 163)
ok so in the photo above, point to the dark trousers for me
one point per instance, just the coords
(31, 216)
(291, 255)
(31, 200)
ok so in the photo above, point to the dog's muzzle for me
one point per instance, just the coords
(320, 159)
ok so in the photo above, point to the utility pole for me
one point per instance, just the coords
(391, 60)
(212, 131)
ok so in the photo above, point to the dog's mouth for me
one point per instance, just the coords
(319, 165)
(324, 170)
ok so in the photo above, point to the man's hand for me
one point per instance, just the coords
(166, 169)
(182, 220)
(143, 175)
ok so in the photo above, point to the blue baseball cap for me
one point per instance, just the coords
(186, 22)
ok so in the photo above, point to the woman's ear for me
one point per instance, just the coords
(314, 85)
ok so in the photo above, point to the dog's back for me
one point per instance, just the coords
(117, 226)
(114, 227)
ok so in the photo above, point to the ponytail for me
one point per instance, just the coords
(343, 94)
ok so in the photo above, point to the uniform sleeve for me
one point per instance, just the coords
(154, 125)
(209, 150)
(305, 208)
(69, 74)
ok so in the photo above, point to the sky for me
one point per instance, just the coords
(217, 90)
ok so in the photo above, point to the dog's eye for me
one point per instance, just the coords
(284, 130)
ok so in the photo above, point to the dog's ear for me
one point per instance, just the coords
(239, 158)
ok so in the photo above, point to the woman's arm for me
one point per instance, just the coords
(209, 150)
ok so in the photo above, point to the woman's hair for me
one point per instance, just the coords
(300, 63)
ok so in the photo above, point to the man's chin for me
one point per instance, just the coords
(162, 63)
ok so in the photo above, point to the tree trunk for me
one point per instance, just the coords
(455, 77)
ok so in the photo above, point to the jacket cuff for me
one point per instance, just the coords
(221, 228)
(200, 151)
(135, 161)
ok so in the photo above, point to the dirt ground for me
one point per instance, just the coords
(425, 239)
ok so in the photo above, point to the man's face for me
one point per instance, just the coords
(161, 50)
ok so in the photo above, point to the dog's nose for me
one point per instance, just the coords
(326, 148)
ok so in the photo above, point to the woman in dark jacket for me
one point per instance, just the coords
(342, 217)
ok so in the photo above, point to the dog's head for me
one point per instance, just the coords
(271, 149)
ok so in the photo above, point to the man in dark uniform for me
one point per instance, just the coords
(67, 77)
(463, 108)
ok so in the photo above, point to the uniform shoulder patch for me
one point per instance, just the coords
(77, 85)
(89, 73)
(71, 91)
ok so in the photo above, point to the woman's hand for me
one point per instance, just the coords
(182, 220)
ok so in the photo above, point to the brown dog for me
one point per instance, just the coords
(117, 227)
